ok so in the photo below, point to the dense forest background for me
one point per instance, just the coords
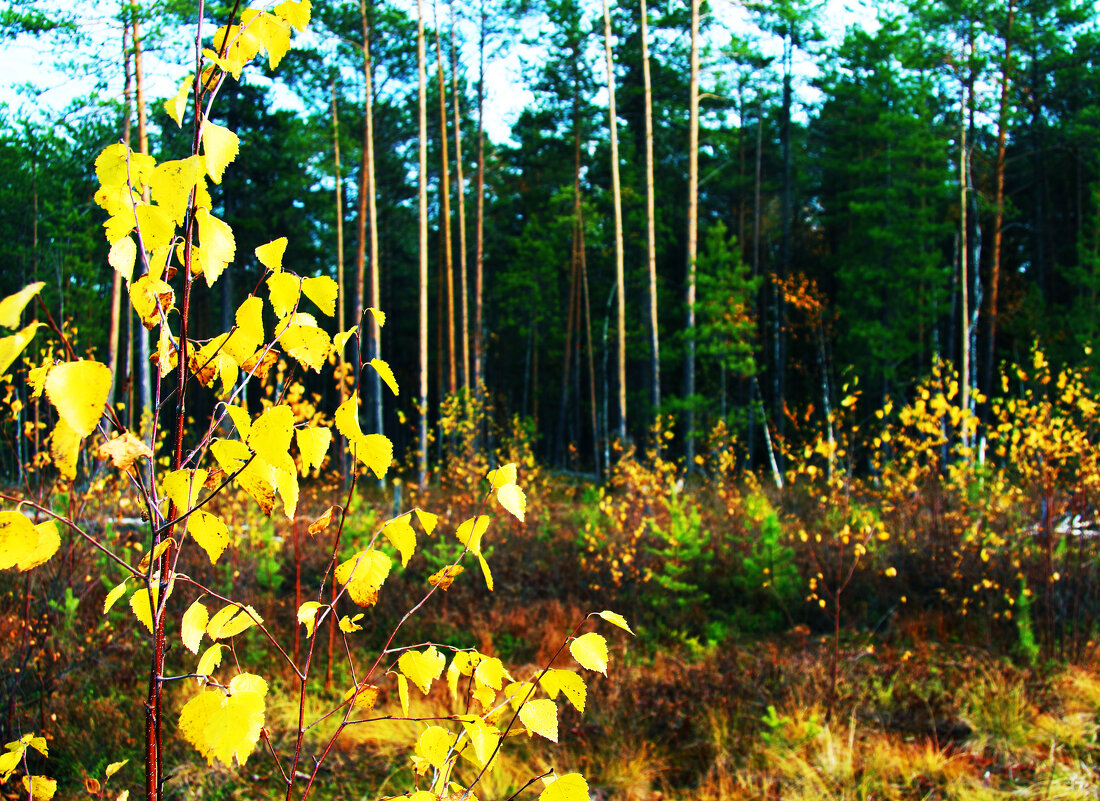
(923, 187)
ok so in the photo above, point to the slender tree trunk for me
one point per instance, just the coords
(998, 203)
(116, 278)
(964, 275)
(143, 353)
(692, 230)
(460, 188)
(618, 203)
(422, 108)
(479, 250)
(651, 222)
(445, 218)
(368, 232)
(341, 323)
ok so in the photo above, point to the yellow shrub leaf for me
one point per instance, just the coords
(113, 596)
(39, 788)
(321, 523)
(271, 254)
(340, 340)
(157, 226)
(78, 390)
(273, 33)
(217, 246)
(286, 482)
(231, 621)
(616, 619)
(422, 668)
(307, 615)
(48, 543)
(307, 344)
(210, 533)
(401, 535)
(18, 539)
(350, 625)
(157, 553)
(490, 672)
(482, 736)
(210, 660)
(64, 448)
(117, 164)
(403, 693)
(488, 575)
(374, 450)
(502, 476)
(445, 576)
(249, 333)
(221, 727)
(313, 443)
(364, 574)
(283, 289)
(322, 290)
(469, 533)
(541, 717)
(11, 307)
(148, 295)
(248, 683)
(517, 693)
(12, 346)
(193, 626)
(513, 500)
(171, 184)
(143, 608)
(427, 520)
(124, 450)
(176, 106)
(364, 697)
(114, 768)
(570, 787)
(183, 487)
(590, 650)
(123, 257)
(220, 145)
(378, 315)
(296, 12)
(384, 370)
(270, 437)
(568, 683)
(434, 746)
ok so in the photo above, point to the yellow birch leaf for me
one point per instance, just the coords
(157, 226)
(322, 522)
(270, 437)
(452, 681)
(363, 697)
(384, 370)
(270, 255)
(143, 608)
(176, 106)
(64, 448)
(224, 728)
(148, 296)
(568, 683)
(350, 625)
(11, 307)
(307, 615)
(123, 256)
(193, 626)
(434, 746)
(210, 533)
(78, 390)
(223, 626)
(427, 520)
(18, 539)
(124, 450)
(517, 693)
(220, 145)
(502, 476)
(364, 574)
(313, 443)
(465, 662)
(422, 668)
(401, 536)
(340, 340)
(273, 33)
(296, 12)
(374, 450)
(157, 553)
(10, 760)
(183, 487)
(172, 183)
(12, 346)
(616, 619)
(513, 500)
(483, 738)
(322, 290)
(286, 483)
(48, 543)
(210, 660)
(590, 650)
(248, 683)
(490, 672)
(113, 596)
(485, 571)
(118, 165)
(242, 422)
(39, 788)
(469, 533)
(570, 787)
(403, 693)
(307, 344)
(445, 576)
(283, 290)
(218, 247)
(378, 315)
(114, 768)
(541, 716)
(249, 333)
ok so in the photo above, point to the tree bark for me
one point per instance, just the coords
(460, 188)
(618, 204)
(422, 108)
(651, 223)
(445, 215)
(692, 229)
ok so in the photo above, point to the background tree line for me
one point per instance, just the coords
(786, 210)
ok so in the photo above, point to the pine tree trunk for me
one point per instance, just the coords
(445, 216)
(692, 230)
(460, 188)
(116, 278)
(143, 352)
(651, 223)
(618, 203)
(479, 248)
(422, 108)
(341, 323)
(375, 350)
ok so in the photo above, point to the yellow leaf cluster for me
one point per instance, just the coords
(24, 545)
(226, 725)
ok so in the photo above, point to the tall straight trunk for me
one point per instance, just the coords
(368, 227)
(460, 188)
(964, 275)
(779, 344)
(341, 323)
(143, 352)
(998, 203)
(422, 108)
(479, 248)
(445, 215)
(116, 278)
(588, 341)
(618, 203)
(692, 228)
(650, 222)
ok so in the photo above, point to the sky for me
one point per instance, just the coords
(34, 84)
